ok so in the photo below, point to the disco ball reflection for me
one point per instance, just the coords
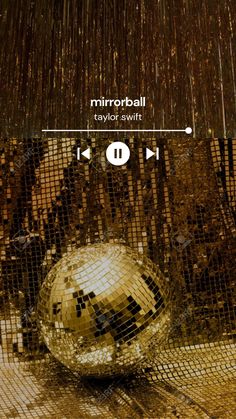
(103, 308)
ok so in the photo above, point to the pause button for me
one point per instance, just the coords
(118, 153)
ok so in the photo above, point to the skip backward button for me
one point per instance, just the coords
(85, 153)
(150, 153)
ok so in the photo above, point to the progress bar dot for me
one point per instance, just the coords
(188, 130)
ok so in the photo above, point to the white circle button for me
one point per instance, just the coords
(118, 153)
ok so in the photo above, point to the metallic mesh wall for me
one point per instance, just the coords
(180, 212)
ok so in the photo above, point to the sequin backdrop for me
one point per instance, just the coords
(56, 56)
(180, 212)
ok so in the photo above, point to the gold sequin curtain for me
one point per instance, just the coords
(56, 56)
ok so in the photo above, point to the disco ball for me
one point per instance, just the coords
(102, 308)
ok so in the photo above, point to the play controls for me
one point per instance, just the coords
(117, 153)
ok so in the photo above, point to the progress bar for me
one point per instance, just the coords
(187, 130)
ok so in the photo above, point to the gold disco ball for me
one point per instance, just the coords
(102, 308)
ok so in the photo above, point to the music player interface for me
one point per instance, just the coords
(117, 209)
